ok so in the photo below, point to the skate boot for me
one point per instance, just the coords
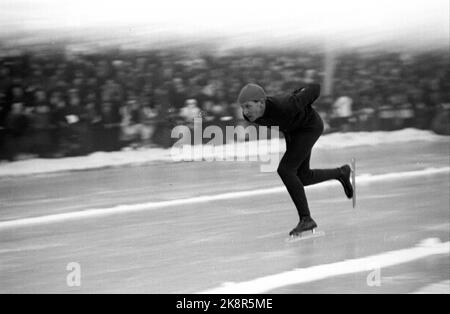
(344, 178)
(305, 224)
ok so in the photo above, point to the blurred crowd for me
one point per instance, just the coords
(391, 91)
(64, 104)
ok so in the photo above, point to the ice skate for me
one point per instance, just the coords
(305, 229)
(344, 178)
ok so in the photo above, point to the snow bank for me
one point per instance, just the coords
(239, 150)
(353, 139)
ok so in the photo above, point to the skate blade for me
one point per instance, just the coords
(305, 236)
(353, 166)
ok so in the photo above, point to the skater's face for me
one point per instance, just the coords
(253, 109)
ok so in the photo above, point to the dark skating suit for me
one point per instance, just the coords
(302, 126)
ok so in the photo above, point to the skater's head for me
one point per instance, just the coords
(252, 100)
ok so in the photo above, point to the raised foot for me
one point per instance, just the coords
(345, 179)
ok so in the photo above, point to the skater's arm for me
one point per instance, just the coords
(307, 95)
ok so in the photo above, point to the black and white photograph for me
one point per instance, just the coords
(224, 153)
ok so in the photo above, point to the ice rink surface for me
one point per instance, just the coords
(233, 239)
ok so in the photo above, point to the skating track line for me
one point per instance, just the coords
(369, 264)
(442, 287)
(124, 209)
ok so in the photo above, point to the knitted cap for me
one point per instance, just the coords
(251, 92)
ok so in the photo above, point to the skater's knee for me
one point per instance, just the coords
(284, 170)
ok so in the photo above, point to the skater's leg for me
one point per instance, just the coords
(287, 170)
(310, 176)
(313, 176)
(298, 150)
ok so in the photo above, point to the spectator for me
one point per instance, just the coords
(190, 111)
(441, 122)
(177, 93)
(109, 134)
(131, 123)
(149, 120)
(18, 125)
(61, 133)
(41, 125)
(78, 124)
(342, 113)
